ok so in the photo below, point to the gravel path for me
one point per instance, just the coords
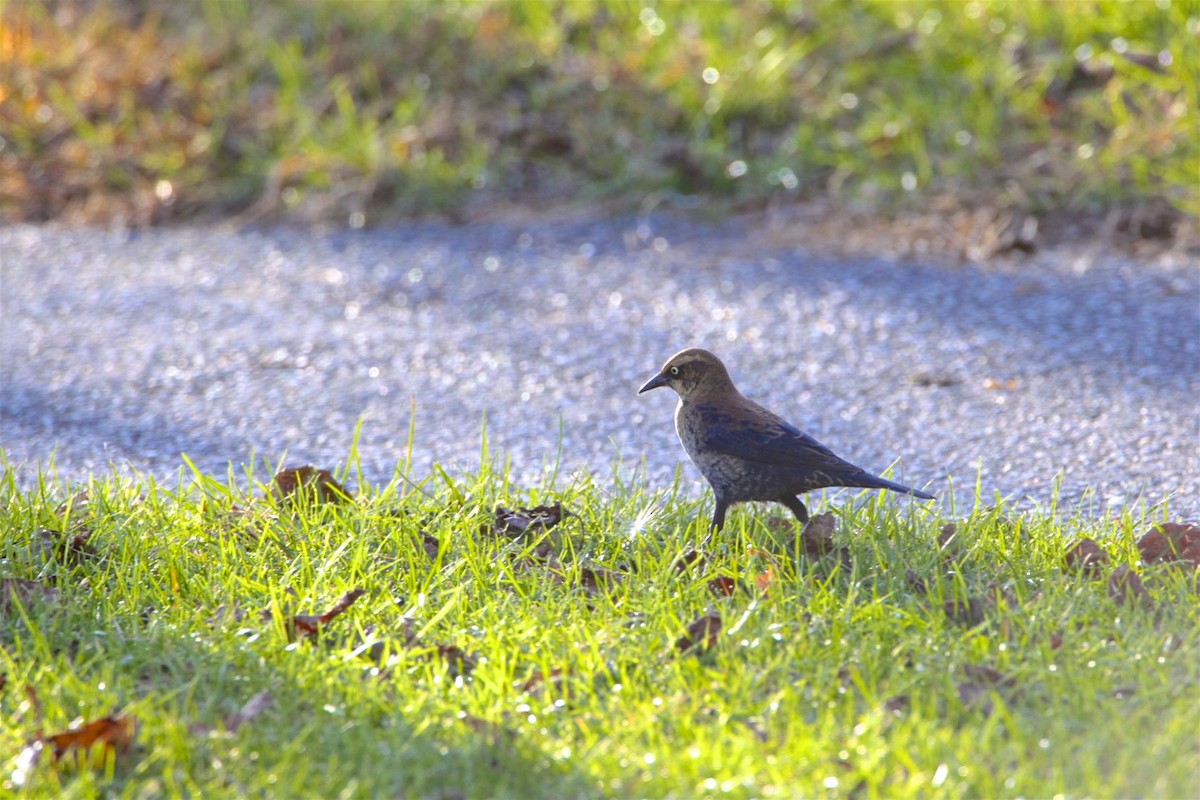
(130, 348)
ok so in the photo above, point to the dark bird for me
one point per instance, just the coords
(743, 450)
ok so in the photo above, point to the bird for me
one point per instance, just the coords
(746, 452)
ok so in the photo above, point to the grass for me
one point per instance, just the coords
(360, 112)
(546, 664)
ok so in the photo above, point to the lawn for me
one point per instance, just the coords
(456, 636)
(364, 112)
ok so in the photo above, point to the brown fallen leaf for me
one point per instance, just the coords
(114, 732)
(816, 538)
(1125, 585)
(950, 543)
(764, 580)
(249, 712)
(596, 580)
(315, 485)
(310, 624)
(431, 545)
(458, 661)
(691, 558)
(701, 634)
(1088, 557)
(722, 586)
(1171, 542)
(35, 703)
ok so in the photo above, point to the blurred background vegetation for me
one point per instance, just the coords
(361, 111)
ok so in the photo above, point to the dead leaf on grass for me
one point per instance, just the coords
(310, 624)
(1171, 542)
(315, 485)
(1088, 557)
(701, 634)
(691, 558)
(91, 742)
(950, 543)
(431, 545)
(816, 538)
(1126, 585)
(722, 586)
(596, 580)
(765, 579)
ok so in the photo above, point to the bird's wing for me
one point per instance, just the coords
(760, 436)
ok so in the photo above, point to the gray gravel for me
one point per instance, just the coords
(129, 348)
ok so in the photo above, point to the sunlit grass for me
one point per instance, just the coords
(836, 676)
(361, 111)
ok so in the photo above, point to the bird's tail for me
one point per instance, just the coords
(868, 481)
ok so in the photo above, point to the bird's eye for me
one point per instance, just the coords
(674, 370)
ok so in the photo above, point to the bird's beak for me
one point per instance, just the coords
(655, 382)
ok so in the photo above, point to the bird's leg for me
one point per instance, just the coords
(797, 508)
(718, 520)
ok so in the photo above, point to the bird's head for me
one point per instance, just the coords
(693, 374)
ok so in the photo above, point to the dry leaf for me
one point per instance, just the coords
(816, 539)
(595, 580)
(763, 580)
(1171, 542)
(316, 485)
(1125, 584)
(1087, 557)
(950, 544)
(722, 586)
(310, 624)
(114, 732)
(431, 545)
(701, 634)
(691, 558)
(458, 661)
